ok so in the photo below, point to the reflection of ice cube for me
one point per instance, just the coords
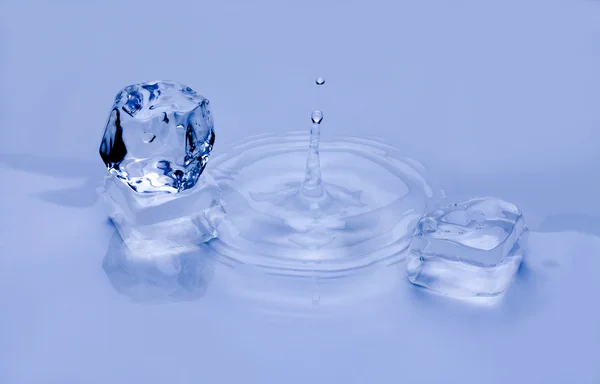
(168, 275)
(468, 249)
(157, 221)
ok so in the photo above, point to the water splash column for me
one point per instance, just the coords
(313, 185)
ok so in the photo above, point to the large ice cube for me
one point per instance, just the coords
(469, 249)
(156, 144)
(158, 137)
(159, 221)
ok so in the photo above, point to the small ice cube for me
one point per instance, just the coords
(469, 249)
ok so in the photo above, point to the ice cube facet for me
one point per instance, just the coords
(153, 222)
(469, 249)
(158, 137)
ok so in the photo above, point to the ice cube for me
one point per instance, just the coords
(158, 137)
(158, 221)
(469, 249)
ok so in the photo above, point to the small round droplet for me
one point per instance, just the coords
(320, 80)
(316, 116)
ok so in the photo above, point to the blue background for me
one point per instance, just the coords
(496, 97)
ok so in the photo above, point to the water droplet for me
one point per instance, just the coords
(316, 116)
(320, 80)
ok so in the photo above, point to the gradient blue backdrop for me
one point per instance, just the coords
(496, 97)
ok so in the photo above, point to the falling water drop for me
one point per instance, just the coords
(320, 80)
(316, 116)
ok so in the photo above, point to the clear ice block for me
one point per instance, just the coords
(155, 221)
(155, 146)
(158, 137)
(469, 249)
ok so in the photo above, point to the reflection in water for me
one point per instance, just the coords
(294, 297)
(158, 277)
(175, 276)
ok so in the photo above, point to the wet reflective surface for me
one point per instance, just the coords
(98, 305)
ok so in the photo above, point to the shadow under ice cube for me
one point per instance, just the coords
(469, 249)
